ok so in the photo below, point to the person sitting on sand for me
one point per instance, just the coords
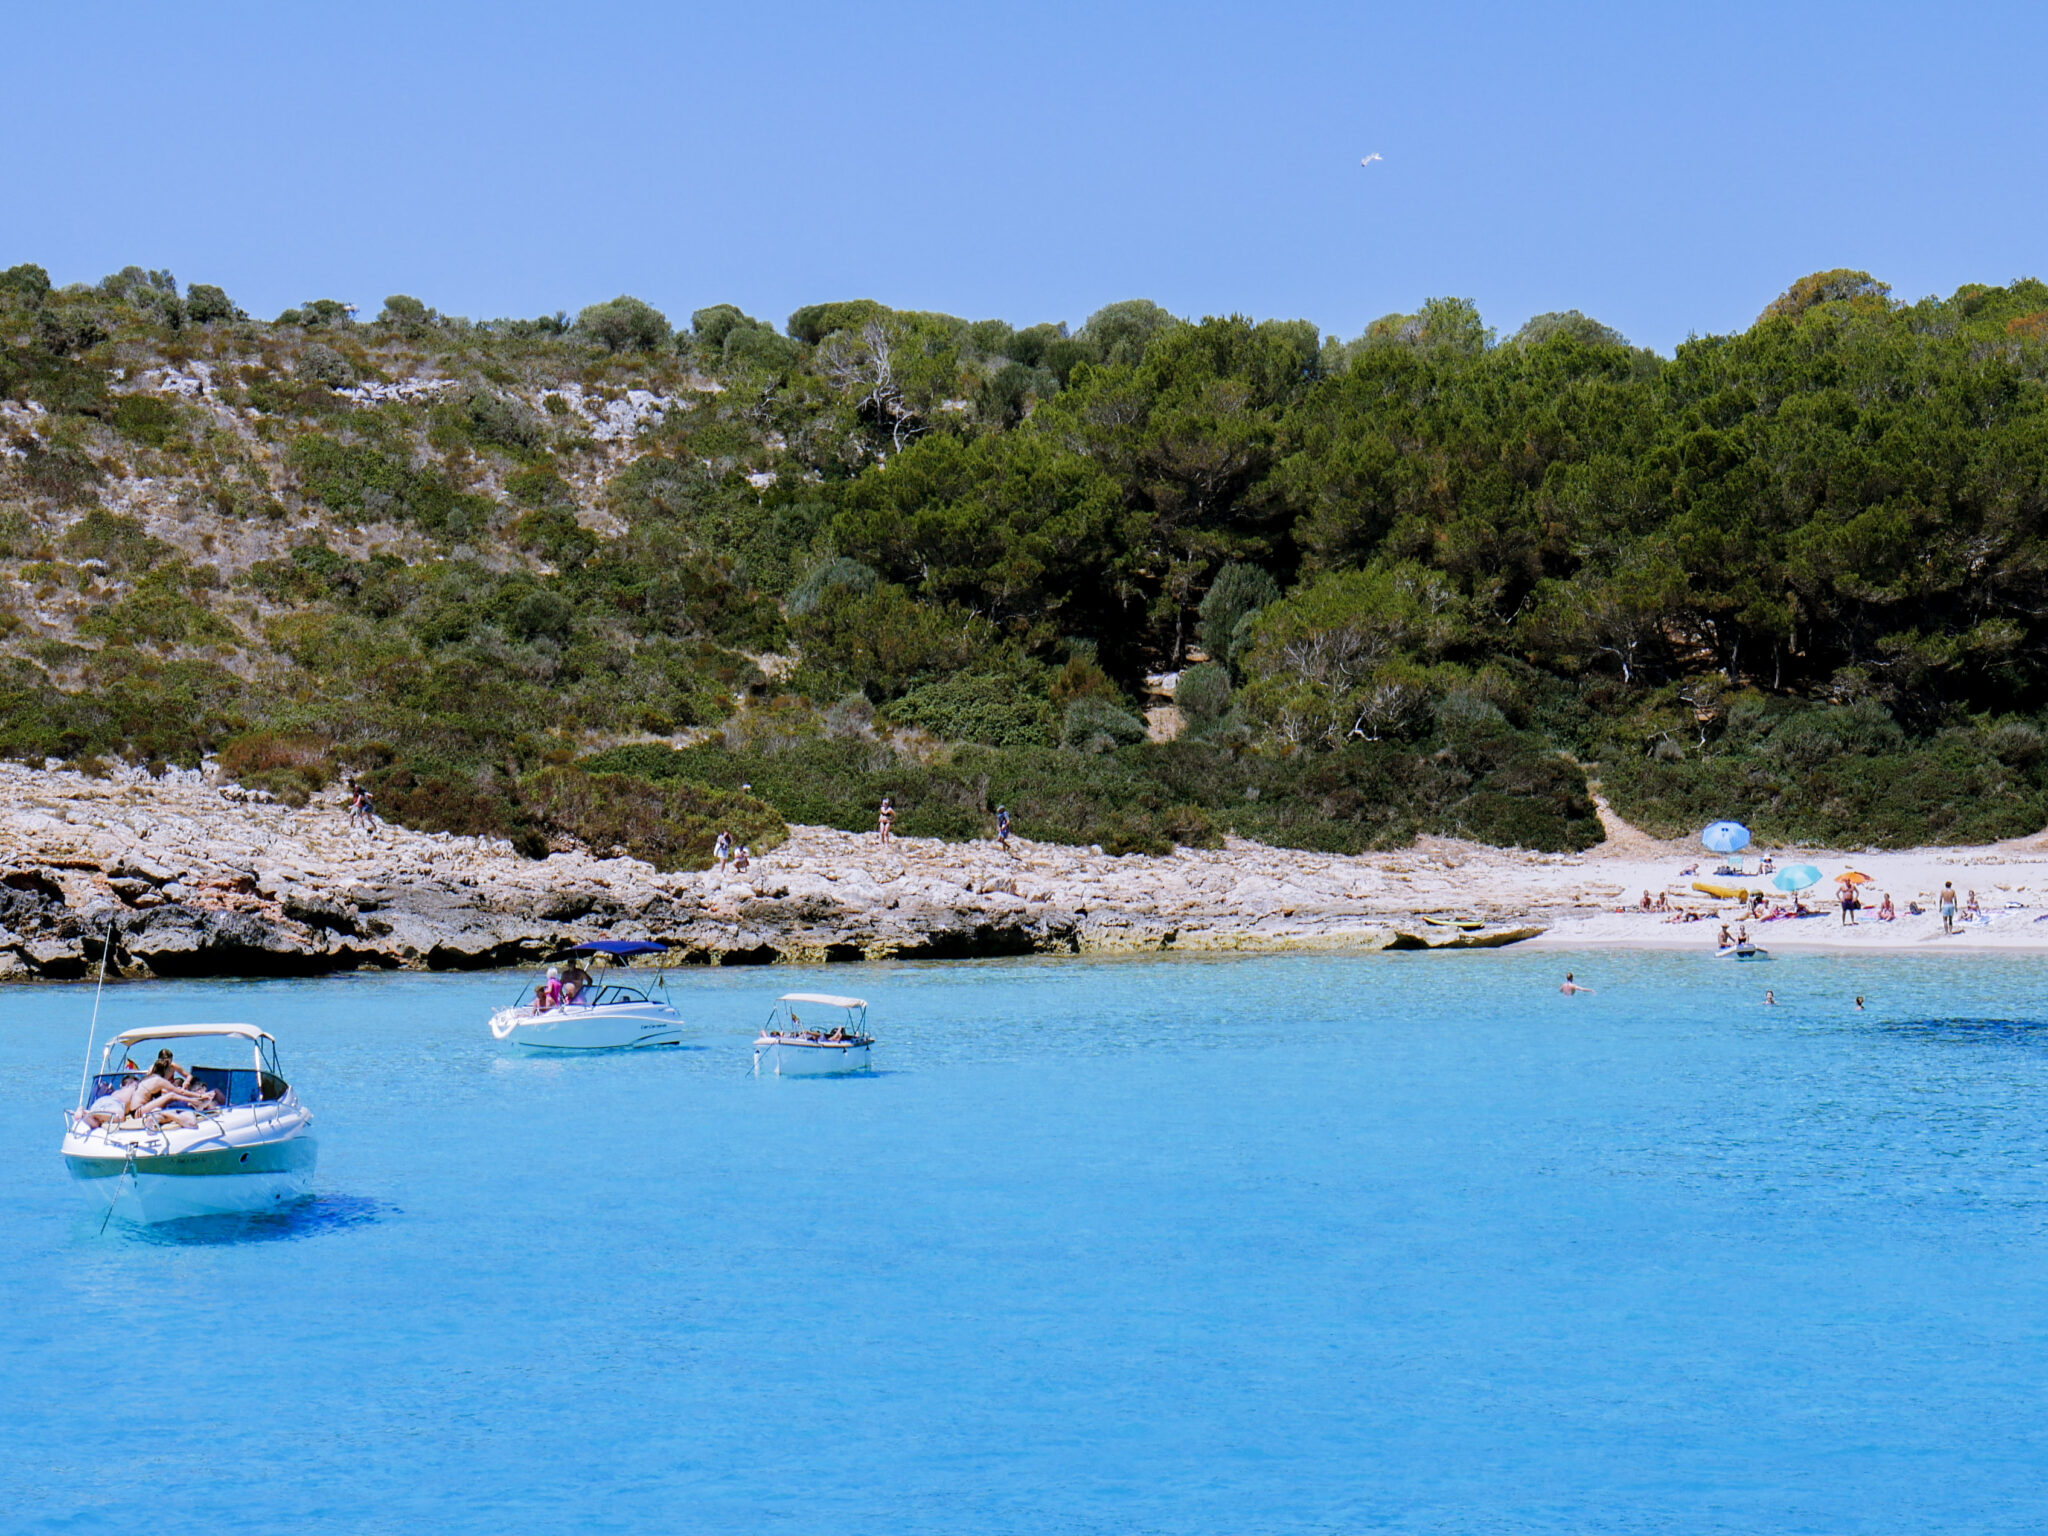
(1688, 872)
(1663, 902)
(1644, 904)
(1570, 986)
(1972, 913)
(1885, 912)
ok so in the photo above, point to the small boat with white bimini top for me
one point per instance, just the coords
(163, 1142)
(788, 1048)
(573, 1011)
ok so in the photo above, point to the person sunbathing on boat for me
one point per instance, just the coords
(161, 1095)
(116, 1104)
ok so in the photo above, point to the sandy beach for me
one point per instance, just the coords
(2010, 880)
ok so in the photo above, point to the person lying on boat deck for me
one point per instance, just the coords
(116, 1104)
(575, 982)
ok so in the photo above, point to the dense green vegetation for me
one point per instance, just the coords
(585, 578)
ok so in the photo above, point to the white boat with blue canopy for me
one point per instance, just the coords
(789, 1046)
(234, 1140)
(565, 1013)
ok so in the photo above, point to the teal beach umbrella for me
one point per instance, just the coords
(1725, 837)
(1796, 877)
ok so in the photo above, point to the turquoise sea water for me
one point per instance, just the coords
(1394, 1243)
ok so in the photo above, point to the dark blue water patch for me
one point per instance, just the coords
(2028, 1032)
(315, 1216)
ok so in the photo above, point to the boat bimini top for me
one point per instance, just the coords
(784, 1024)
(189, 1031)
(618, 951)
(261, 1080)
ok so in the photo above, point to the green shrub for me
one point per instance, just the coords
(206, 304)
(291, 767)
(361, 483)
(321, 364)
(671, 823)
(148, 420)
(1094, 724)
(1203, 697)
(624, 324)
(994, 710)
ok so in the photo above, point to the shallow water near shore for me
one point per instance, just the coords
(1393, 1242)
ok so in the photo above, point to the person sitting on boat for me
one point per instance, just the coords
(1726, 938)
(547, 994)
(575, 982)
(837, 1034)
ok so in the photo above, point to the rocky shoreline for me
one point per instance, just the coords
(197, 878)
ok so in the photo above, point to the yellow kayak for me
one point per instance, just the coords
(1722, 892)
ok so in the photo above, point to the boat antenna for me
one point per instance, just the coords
(93, 1029)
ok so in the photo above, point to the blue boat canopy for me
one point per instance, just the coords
(617, 947)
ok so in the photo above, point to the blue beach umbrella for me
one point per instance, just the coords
(1796, 877)
(1725, 837)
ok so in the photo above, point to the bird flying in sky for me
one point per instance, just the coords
(1368, 160)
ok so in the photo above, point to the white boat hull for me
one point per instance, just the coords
(810, 1058)
(255, 1158)
(623, 1027)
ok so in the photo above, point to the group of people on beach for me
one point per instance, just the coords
(167, 1092)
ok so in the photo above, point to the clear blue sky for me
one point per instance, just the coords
(1666, 168)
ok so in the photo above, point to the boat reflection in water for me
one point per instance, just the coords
(249, 1146)
(788, 1047)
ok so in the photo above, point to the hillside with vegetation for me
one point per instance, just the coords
(602, 580)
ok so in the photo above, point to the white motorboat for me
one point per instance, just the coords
(252, 1151)
(1742, 951)
(788, 1047)
(597, 1016)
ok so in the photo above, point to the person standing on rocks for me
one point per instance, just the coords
(1003, 828)
(742, 859)
(721, 850)
(885, 818)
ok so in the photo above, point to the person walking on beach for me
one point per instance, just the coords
(885, 818)
(1570, 986)
(1003, 828)
(1948, 906)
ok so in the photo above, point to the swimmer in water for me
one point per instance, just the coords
(1571, 986)
(1859, 1005)
(1770, 999)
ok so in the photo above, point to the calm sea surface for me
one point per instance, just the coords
(1377, 1243)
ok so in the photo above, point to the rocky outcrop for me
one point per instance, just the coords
(194, 878)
